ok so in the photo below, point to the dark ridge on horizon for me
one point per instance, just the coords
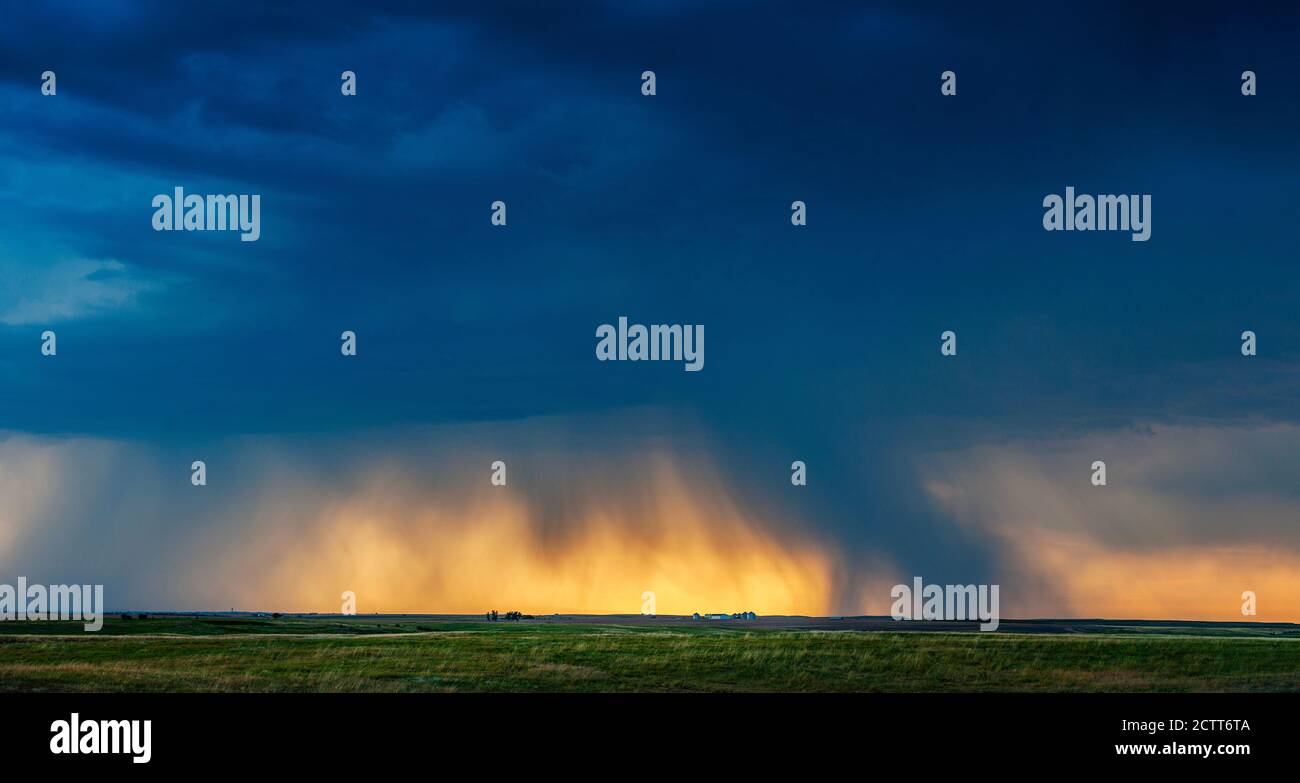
(877, 623)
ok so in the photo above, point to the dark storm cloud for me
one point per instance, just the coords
(822, 342)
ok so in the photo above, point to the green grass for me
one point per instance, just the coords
(305, 654)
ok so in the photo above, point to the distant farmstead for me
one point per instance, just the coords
(736, 616)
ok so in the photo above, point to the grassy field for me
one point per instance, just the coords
(321, 654)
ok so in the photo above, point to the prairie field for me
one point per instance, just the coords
(234, 654)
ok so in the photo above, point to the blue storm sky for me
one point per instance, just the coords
(924, 214)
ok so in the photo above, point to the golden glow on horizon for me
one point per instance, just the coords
(1151, 544)
(592, 537)
(1185, 583)
(695, 550)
